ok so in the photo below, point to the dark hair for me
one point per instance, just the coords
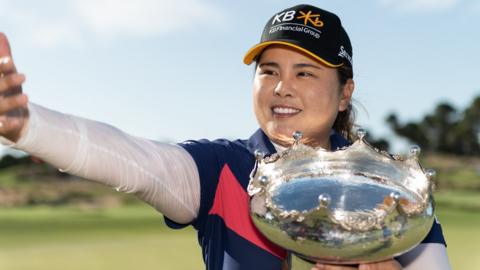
(345, 120)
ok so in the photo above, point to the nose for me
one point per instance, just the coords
(284, 88)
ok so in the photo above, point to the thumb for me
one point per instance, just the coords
(4, 46)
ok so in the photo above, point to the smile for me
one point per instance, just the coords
(286, 111)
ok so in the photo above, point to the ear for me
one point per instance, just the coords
(346, 95)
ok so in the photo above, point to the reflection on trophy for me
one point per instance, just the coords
(354, 205)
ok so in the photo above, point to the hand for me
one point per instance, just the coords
(13, 103)
(384, 265)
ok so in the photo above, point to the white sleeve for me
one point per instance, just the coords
(163, 175)
(426, 256)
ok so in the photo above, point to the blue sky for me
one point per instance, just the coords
(172, 70)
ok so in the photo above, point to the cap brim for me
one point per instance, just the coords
(257, 49)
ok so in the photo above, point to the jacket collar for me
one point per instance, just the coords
(260, 141)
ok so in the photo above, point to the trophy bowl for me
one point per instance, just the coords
(353, 205)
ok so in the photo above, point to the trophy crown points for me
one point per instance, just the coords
(259, 154)
(297, 136)
(324, 200)
(361, 133)
(415, 151)
(263, 180)
(431, 174)
(395, 196)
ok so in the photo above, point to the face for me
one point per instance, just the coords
(292, 91)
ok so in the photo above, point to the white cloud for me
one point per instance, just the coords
(145, 17)
(51, 23)
(420, 5)
(50, 34)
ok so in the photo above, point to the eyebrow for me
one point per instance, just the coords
(299, 65)
(303, 65)
(269, 64)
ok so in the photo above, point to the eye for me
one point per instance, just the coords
(305, 74)
(267, 72)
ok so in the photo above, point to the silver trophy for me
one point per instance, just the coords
(354, 205)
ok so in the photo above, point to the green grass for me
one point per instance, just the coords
(120, 239)
(135, 237)
(459, 214)
(454, 172)
(461, 232)
(459, 200)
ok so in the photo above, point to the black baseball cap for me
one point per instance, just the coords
(314, 31)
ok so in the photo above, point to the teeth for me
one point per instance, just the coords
(283, 110)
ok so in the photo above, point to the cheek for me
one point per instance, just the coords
(260, 93)
(320, 99)
(257, 86)
(258, 100)
(324, 104)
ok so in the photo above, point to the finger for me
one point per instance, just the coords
(10, 125)
(384, 265)
(11, 103)
(11, 84)
(320, 266)
(6, 66)
(4, 46)
(5, 50)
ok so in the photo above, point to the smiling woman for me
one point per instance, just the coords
(302, 82)
(307, 96)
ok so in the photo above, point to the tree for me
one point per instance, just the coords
(445, 130)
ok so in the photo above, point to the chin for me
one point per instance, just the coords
(283, 135)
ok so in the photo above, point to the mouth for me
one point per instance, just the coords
(284, 111)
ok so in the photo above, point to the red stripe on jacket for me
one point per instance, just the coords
(232, 205)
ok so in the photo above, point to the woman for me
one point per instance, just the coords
(303, 81)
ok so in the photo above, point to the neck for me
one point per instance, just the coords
(282, 146)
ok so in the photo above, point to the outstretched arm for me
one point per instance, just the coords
(163, 175)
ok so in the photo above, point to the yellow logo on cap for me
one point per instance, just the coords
(309, 18)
